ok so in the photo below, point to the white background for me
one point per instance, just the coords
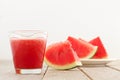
(86, 19)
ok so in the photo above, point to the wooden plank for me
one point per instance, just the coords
(7, 73)
(101, 73)
(114, 65)
(108, 72)
(73, 74)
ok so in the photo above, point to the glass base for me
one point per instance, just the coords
(28, 71)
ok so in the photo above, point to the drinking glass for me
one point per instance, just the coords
(28, 49)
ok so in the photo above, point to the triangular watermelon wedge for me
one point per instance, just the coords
(83, 49)
(60, 55)
(101, 52)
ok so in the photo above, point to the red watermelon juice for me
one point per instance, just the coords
(28, 48)
(28, 54)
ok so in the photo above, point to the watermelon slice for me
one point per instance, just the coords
(101, 52)
(60, 55)
(83, 49)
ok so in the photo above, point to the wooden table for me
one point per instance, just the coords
(110, 71)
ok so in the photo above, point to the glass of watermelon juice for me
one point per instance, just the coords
(28, 48)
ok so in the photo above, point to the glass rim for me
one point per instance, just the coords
(27, 33)
(40, 31)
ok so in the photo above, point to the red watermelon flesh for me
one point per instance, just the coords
(60, 55)
(82, 48)
(101, 52)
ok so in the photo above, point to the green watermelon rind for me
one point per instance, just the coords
(92, 53)
(63, 67)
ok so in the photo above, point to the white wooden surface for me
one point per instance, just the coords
(107, 72)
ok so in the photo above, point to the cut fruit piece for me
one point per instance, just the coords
(101, 52)
(83, 49)
(60, 55)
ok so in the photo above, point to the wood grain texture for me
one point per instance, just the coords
(110, 71)
(101, 73)
(73, 74)
(114, 65)
(7, 73)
